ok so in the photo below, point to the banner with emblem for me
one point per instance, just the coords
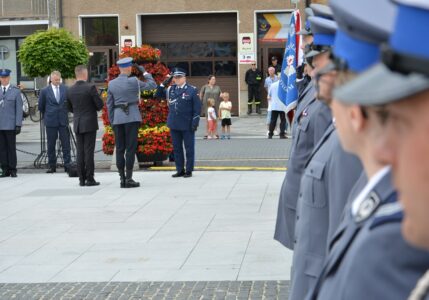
(288, 92)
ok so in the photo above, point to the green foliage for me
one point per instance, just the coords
(52, 49)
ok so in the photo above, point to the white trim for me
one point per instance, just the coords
(24, 22)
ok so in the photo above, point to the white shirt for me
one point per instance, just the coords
(276, 103)
(54, 88)
(211, 112)
(7, 87)
(368, 188)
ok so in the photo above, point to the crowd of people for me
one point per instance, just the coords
(353, 205)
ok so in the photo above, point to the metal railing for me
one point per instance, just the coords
(23, 8)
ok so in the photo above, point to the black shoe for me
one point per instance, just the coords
(51, 170)
(92, 183)
(178, 174)
(130, 183)
(82, 182)
(13, 173)
(270, 137)
(5, 173)
(283, 136)
(187, 175)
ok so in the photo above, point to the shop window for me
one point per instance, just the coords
(201, 68)
(179, 64)
(225, 68)
(225, 49)
(177, 50)
(100, 31)
(201, 49)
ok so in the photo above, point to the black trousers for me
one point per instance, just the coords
(85, 143)
(8, 150)
(274, 116)
(126, 144)
(254, 94)
(52, 134)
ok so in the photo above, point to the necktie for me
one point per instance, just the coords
(4, 90)
(57, 94)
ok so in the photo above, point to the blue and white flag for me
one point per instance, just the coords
(288, 92)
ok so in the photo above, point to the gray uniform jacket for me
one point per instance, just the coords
(312, 118)
(126, 90)
(10, 108)
(370, 259)
(328, 179)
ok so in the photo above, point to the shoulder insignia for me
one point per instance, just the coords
(387, 213)
(367, 207)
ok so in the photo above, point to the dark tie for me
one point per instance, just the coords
(4, 90)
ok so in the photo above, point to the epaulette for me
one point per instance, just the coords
(15, 87)
(191, 86)
(390, 212)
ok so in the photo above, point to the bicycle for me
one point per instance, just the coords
(28, 110)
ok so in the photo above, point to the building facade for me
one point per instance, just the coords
(204, 37)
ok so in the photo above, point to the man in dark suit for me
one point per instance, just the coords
(54, 113)
(84, 101)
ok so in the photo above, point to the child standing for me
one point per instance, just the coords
(211, 117)
(225, 114)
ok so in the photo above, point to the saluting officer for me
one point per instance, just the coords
(329, 175)
(10, 123)
(183, 120)
(122, 102)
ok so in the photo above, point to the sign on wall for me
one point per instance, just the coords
(246, 48)
(273, 27)
(128, 40)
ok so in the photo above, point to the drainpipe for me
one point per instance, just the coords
(60, 13)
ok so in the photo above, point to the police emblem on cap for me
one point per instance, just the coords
(367, 207)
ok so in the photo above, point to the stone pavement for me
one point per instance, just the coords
(206, 237)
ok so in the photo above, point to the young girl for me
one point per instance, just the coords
(225, 115)
(211, 118)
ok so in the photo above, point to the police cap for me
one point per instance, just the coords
(125, 62)
(5, 72)
(178, 72)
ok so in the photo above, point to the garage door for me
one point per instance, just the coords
(202, 44)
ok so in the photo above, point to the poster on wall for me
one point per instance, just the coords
(246, 42)
(273, 27)
(128, 41)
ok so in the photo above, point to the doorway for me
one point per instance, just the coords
(100, 60)
(266, 51)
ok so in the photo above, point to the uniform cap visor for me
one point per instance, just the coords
(379, 85)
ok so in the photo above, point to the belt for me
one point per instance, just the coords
(124, 105)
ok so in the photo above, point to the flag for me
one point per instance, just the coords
(288, 92)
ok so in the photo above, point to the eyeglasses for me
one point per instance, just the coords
(404, 63)
(253, 64)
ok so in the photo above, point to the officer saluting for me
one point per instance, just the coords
(183, 119)
(124, 115)
(10, 123)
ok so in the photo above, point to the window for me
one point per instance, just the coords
(201, 58)
(100, 31)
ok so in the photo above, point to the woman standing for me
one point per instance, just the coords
(210, 90)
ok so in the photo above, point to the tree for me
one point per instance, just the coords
(52, 49)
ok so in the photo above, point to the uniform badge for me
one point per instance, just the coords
(367, 207)
(304, 113)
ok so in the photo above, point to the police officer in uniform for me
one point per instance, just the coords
(358, 265)
(183, 120)
(312, 118)
(329, 175)
(253, 79)
(10, 123)
(122, 103)
(377, 261)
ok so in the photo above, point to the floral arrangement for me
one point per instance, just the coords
(154, 140)
(154, 136)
